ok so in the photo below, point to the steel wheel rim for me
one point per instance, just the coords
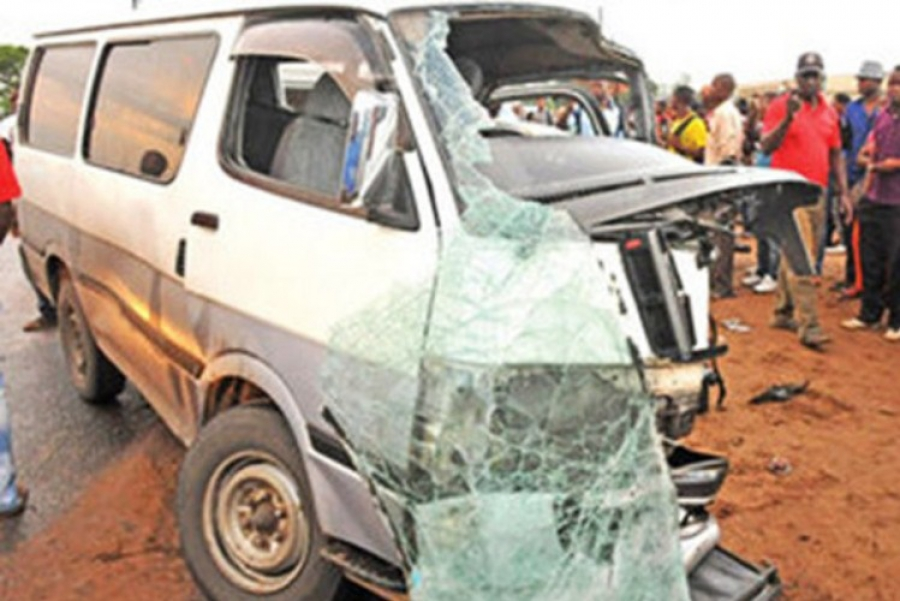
(254, 522)
(73, 333)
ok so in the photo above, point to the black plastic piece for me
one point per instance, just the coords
(723, 576)
(209, 221)
(697, 476)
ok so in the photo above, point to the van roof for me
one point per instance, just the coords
(163, 11)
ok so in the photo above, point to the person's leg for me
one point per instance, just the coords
(803, 288)
(784, 301)
(46, 311)
(723, 266)
(7, 217)
(774, 258)
(827, 229)
(763, 256)
(847, 235)
(856, 243)
(890, 233)
(873, 253)
(12, 499)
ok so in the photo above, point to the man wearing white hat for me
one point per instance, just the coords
(859, 117)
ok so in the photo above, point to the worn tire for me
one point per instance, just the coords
(95, 378)
(229, 528)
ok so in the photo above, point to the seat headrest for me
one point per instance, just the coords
(327, 102)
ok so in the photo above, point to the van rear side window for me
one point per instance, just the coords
(56, 97)
(145, 104)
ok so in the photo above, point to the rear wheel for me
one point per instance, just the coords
(247, 523)
(95, 378)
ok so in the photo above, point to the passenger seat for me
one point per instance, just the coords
(310, 153)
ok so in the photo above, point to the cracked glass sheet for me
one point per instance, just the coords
(501, 420)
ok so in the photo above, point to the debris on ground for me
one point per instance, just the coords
(780, 393)
(779, 466)
(734, 324)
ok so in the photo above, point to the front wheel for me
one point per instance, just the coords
(247, 523)
(95, 378)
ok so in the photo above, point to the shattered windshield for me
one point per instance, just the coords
(548, 71)
(497, 411)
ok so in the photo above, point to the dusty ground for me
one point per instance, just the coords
(830, 524)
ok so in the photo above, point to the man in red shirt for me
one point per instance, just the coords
(12, 494)
(802, 133)
(9, 190)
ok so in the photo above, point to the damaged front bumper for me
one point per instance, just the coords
(717, 574)
(679, 395)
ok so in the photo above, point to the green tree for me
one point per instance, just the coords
(12, 59)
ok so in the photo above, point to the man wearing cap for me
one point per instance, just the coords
(802, 134)
(859, 117)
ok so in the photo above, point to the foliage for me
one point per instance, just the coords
(12, 59)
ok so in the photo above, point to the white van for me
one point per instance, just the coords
(406, 344)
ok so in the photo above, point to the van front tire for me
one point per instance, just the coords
(95, 378)
(245, 514)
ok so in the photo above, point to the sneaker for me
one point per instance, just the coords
(815, 339)
(892, 335)
(18, 506)
(837, 249)
(766, 285)
(783, 322)
(855, 323)
(39, 324)
(751, 280)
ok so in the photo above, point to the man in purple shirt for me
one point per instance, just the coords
(879, 220)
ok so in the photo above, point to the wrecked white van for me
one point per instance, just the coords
(406, 344)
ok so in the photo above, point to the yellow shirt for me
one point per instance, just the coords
(692, 137)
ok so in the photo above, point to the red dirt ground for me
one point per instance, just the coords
(830, 525)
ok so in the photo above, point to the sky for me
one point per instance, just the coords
(756, 40)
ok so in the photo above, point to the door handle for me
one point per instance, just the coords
(208, 221)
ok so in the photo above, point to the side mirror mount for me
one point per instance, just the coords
(390, 200)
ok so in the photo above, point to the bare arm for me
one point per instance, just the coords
(865, 153)
(773, 140)
(887, 165)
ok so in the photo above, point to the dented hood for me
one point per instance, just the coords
(601, 180)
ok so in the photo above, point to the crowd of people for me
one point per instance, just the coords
(851, 148)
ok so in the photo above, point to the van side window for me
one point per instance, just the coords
(291, 111)
(54, 102)
(145, 103)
